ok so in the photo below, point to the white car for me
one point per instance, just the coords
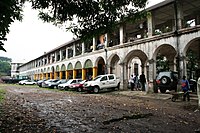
(65, 86)
(27, 82)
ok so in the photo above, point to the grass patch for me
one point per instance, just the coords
(2, 94)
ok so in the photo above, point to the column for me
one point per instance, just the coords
(94, 72)
(47, 76)
(150, 24)
(51, 75)
(66, 53)
(123, 76)
(35, 77)
(152, 76)
(67, 74)
(83, 73)
(178, 14)
(83, 48)
(61, 55)
(55, 75)
(94, 44)
(106, 40)
(61, 75)
(74, 73)
(121, 34)
(74, 49)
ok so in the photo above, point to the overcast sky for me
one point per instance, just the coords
(30, 38)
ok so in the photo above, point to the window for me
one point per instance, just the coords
(111, 77)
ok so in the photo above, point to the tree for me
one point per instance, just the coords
(84, 18)
(89, 18)
(5, 66)
(10, 10)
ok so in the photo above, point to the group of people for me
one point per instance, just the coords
(137, 82)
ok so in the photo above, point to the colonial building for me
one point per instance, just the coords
(171, 29)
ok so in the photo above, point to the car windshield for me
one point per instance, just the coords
(97, 78)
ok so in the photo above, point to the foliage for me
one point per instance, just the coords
(192, 64)
(10, 10)
(162, 64)
(2, 94)
(5, 66)
(89, 18)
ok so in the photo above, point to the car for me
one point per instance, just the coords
(39, 82)
(54, 84)
(46, 83)
(65, 86)
(166, 80)
(102, 82)
(27, 82)
(77, 86)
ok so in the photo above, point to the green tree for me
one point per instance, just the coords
(5, 66)
(86, 18)
(162, 64)
(10, 10)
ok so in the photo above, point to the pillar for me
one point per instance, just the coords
(123, 76)
(61, 75)
(150, 24)
(35, 77)
(83, 48)
(83, 73)
(152, 76)
(55, 75)
(74, 73)
(51, 75)
(94, 44)
(94, 72)
(47, 76)
(121, 34)
(67, 75)
(178, 14)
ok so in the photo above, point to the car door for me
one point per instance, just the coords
(111, 80)
(104, 82)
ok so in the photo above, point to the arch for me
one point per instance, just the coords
(57, 68)
(97, 60)
(114, 65)
(78, 65)
(88, 64)
(70, 66)
(48, 69)
(63, 67)
(52, 69)
(169, 53)
(45, 70)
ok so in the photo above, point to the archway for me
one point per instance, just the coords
(165, 57)
(69, 74)
(114, 65)
(88, 68)
(78, 70)
(101, 66)
(63, 72)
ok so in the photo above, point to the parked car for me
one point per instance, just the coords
(54, 84)
(65, 86)
(102, 82)
(77, 86)
(27, 82)
(46, 83)
(166, 80)
(39, 82)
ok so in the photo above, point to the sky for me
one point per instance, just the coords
(31, 37)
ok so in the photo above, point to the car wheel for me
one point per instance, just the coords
(165, 80)
(79, 89)
(96, 89)
(162, 90)
(66, 88)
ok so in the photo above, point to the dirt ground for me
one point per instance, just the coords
(31, 109)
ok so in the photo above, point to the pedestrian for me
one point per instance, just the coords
(185, 86)
(132, 82)
(136, 81)
(142, 81)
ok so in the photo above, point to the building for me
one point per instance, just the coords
(172, 29)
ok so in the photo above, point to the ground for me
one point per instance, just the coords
(31, 109)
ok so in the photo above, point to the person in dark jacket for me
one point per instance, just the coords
(143, 81)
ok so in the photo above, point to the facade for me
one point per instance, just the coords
(172, 29)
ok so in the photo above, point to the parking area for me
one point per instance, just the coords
(33, 109)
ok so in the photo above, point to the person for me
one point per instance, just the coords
(132, 82)
(185, 86)
(142, 81)
(136, 81)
